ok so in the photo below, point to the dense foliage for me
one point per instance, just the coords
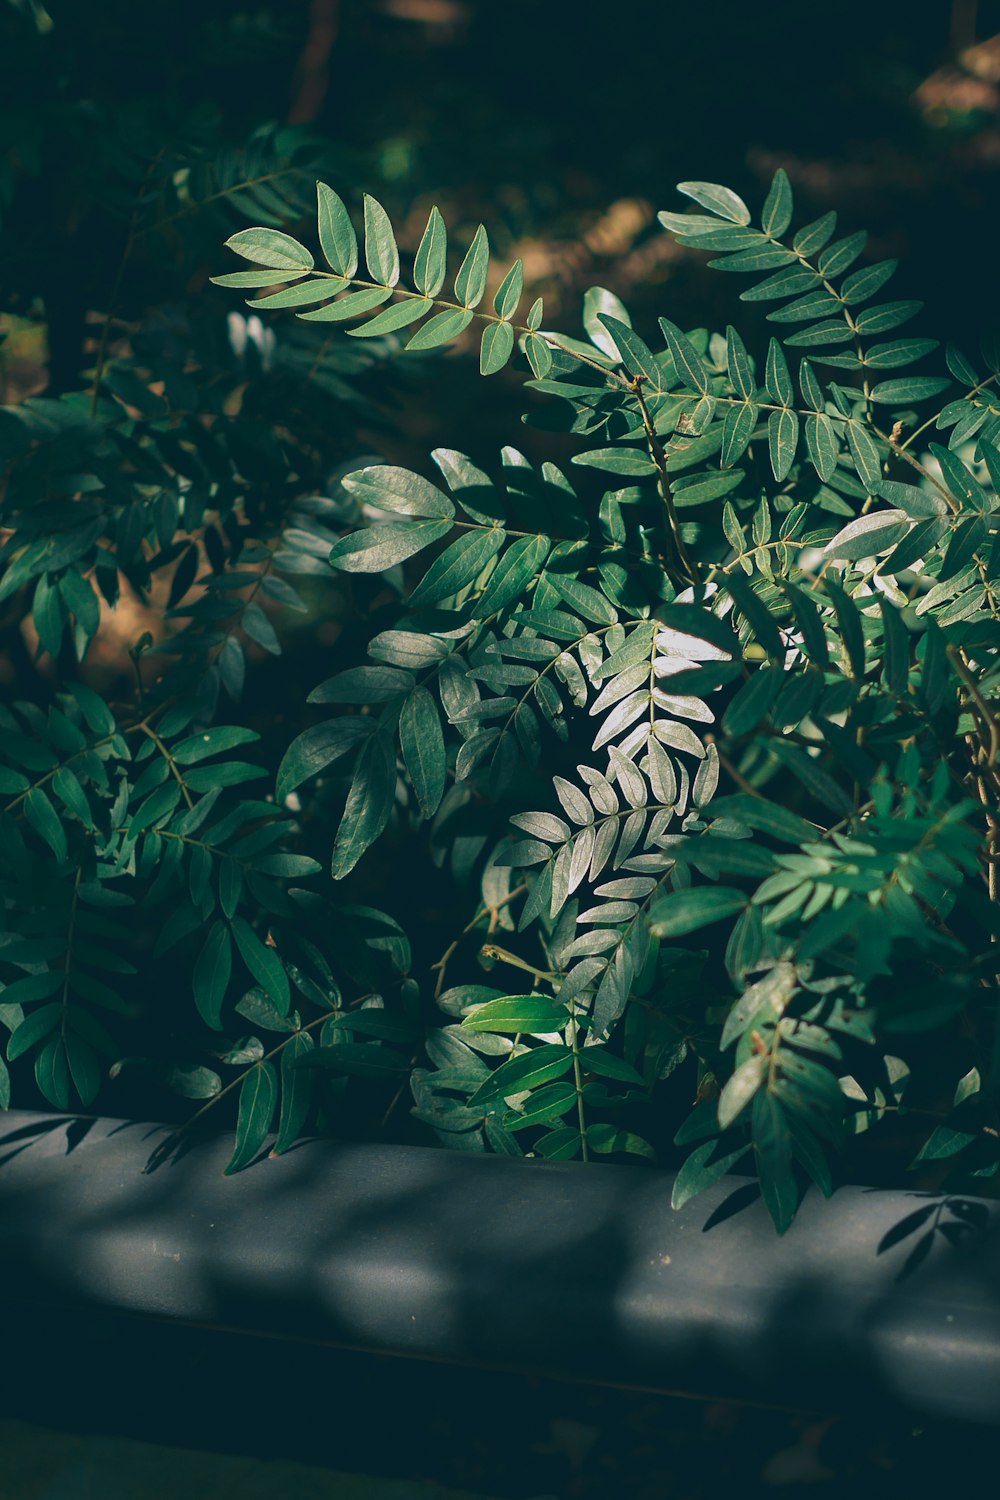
(710, 725)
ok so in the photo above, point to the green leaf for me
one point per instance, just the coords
(822, 445)
(788, 282)
(870, 534)
(598, 300)
(52, 1073)
(337, 238)
(441, 329)
(682, 912)
(34, 1028)
(515, 570)
(636, 356)
(211, 974)
(861, 285)
(776, 214)
(422, 743)
(399, 315)
(865, 455)
(496, 348)
(457, 566)
(398, 490)
(753, 701)
(738, 429)
(198, 747)
(740, 1089)
(910, 388)
(606, 1064)
(705, 1165)
(381, 254)
(686, 360)
(263, 963)
(842, 253)
(720, 200)
(192, 1081)
(960, 481)
(260, 1011)
(318, 747)
(885, 316)
(305, 294)
(84, 1068)
(777, 379)
(255, 278)
(529, 1070)
(757, 614)
(738, 366)
(773, 1148)
(699, 489)
(470, 281)
(369, 804)
(380, 547)
(298, 1086)
(350, 306)
(813, 237)
(628, 461)
(44, 819)
(539, 355)
(258, 1098)
(518, 1013)
(897, 648)
(509, 291)
(431, 262)
(269, 247)
(782, 440)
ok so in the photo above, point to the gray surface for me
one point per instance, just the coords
(555, 1267)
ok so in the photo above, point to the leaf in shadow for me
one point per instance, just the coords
(906, 1227)
(917, 1256)
(738, 1200)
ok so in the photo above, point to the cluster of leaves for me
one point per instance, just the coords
(172, 475)
(709, 723)
(784, 589)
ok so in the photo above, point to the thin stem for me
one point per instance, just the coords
(578, 1085)
(659, 458)
(174, 768)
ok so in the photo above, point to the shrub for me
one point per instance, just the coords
(711, 725)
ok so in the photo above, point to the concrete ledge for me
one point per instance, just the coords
(544, 1267)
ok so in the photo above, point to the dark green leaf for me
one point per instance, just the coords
(263, 963)
(336, 232)
(297, 1089)
(539, 1065)
(457, 566)
(258, 1097)
(381, 254)
(318, 747)
(422, 743)
(269, 247)
(431, 262)
(686, 360)
(496, 348)
(682, 912)
(211, 974)
(720, 200)
(380, 547)
(369, 804)
(470, 281)
(441, 329)
(518, 1013)
(740, 1089)
(776, 214)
